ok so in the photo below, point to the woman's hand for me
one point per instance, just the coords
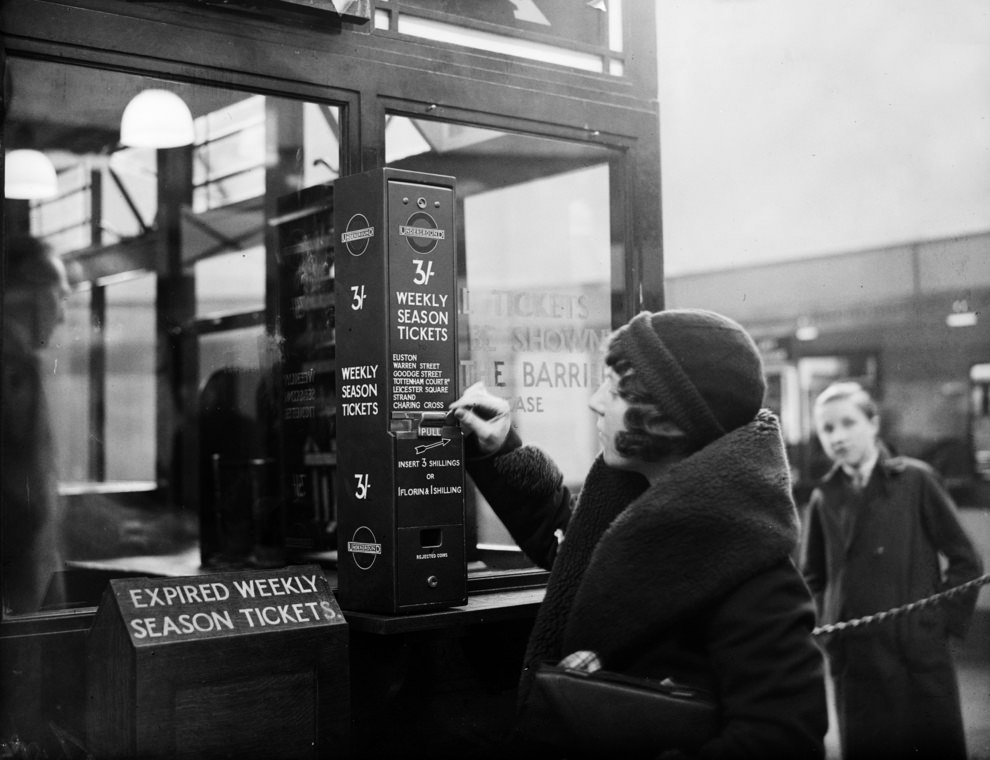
(483, 415)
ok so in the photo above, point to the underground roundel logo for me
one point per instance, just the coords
(363, 548)
(421, 232)
(358, 234)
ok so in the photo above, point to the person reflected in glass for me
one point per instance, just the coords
(35, 289)
(879, 528)
(675, 559)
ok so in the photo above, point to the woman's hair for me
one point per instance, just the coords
(848, 390)
(643, 438)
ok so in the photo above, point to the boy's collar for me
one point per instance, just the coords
(865, 467)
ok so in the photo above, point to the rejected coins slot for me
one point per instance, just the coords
(431, 538)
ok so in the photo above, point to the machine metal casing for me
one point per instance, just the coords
(400, 466)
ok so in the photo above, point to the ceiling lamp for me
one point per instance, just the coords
(29, 175)
(156, 119)
(806, 330)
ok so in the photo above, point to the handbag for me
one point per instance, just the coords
(612, 714)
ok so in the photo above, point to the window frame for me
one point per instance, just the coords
(375, 74)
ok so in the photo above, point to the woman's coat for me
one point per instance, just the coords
(688, 578)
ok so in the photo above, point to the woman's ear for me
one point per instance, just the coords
(665, 426)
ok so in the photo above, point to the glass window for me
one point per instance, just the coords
(979, 378)
(131, 296)
(586, 36)
(231, 283)
(537, 280)
(128, 331)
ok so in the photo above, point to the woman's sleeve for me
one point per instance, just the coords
(525, 489)
(769, 671)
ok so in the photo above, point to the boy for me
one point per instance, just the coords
(876, 528)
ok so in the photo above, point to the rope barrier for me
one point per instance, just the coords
(905, 609)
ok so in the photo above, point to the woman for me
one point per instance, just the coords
(674, 561)
(877, 526)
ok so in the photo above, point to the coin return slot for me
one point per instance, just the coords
(431, 538)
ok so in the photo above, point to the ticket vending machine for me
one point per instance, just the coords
(400, 460)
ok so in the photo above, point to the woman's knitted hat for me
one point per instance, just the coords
(701, 368)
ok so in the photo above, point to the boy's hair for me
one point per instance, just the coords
(847, 390)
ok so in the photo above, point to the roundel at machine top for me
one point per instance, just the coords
(421, 232)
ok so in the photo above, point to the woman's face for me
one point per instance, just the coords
(611, 410)
(847, 435)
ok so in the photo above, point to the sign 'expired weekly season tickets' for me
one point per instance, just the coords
(165, 610)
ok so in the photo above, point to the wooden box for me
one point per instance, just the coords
(242, 664)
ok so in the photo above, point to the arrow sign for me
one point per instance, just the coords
(426, 447)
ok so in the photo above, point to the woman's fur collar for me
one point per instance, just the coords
(637, 560)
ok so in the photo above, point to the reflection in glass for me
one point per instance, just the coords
(35, 285)
(536, 278)
(167, 252)
(128, 330)
(231, 283)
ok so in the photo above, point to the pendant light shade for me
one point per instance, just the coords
(156, 119)
(29, 175)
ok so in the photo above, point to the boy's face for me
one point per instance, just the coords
(847, 435)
